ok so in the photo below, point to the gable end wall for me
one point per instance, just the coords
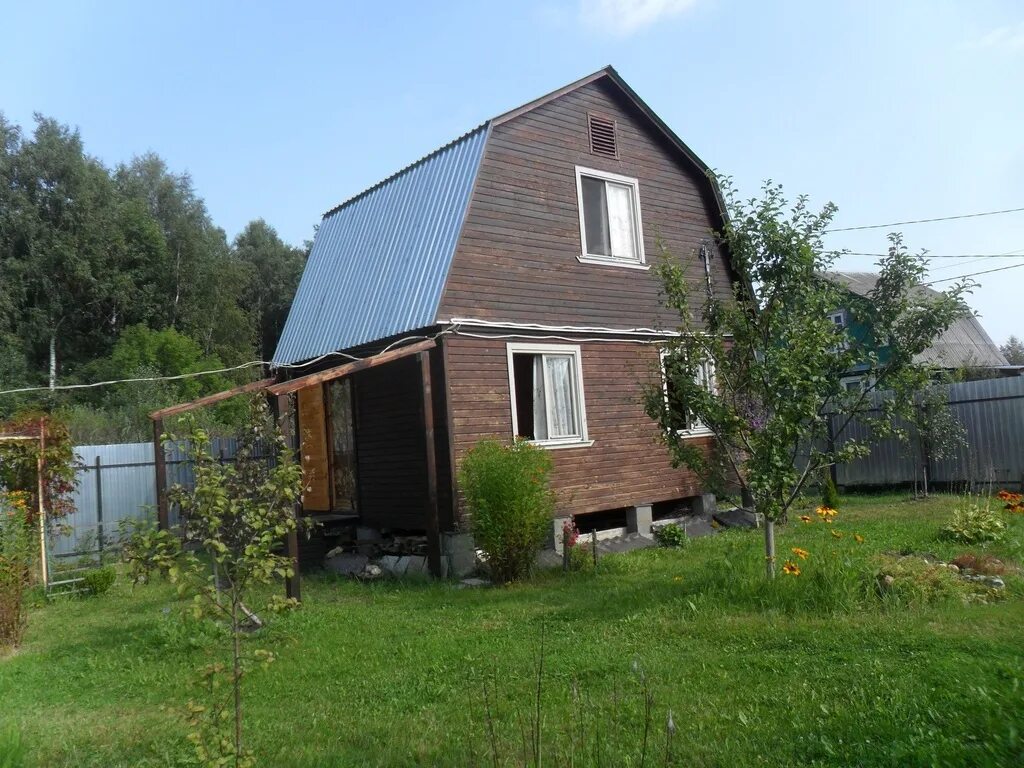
(516, 259)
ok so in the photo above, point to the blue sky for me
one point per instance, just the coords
(892, 110)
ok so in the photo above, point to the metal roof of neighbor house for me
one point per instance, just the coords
(964, 344)
(395, 241)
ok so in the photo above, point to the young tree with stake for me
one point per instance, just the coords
(760, 367)
(235, 516)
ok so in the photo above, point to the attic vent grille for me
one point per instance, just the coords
(602, 136)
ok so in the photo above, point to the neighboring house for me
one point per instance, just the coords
(524, 250)
(963, 346)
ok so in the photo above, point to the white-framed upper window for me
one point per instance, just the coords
(682, 421)
(610, 228)
(838, 319)
(546, 386)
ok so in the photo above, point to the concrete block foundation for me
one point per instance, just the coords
(639, 519)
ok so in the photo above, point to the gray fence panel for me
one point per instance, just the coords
(992, 415)
(126, 486)
(126, 489)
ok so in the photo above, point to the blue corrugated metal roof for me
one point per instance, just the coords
(379, 260)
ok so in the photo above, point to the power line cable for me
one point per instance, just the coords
(974, 274)
(925, 221)
(1008, 254)
(1018, 254)
(196, 374)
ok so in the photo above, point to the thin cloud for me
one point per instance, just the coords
(624, 17)
(1006, 38)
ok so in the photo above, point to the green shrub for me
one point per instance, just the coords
(510, 503)
(829, 494)
(973, 524)
(17, 555)
(99, 580)
(670, 535)
(912, 581)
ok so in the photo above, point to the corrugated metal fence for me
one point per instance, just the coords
(117, 483)
(992, 414)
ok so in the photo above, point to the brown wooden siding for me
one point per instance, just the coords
(516, 259)
(625, 465)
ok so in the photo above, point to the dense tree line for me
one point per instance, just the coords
(116, 273)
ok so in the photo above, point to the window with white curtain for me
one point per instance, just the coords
(546, 385)
(609, 218)
(683, 421)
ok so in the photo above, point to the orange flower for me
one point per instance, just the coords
(805, 518)
(858, 538)
(801, 553)
(791, 568)
(836, 534)
(826, 513)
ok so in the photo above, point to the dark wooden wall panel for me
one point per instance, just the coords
(625, 465)
(516, 259)
(390, 449)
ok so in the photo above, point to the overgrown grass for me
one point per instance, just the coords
(811, 670)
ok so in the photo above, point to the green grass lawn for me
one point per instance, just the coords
(812, 670)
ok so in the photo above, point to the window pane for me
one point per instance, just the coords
(678, 417)
(343, 444)
(595, 217)
(540, 417)
(522, 375)
(561, 411)
(621, 222)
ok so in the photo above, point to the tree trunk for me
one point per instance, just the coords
(236, 679)
(53, 361)
(924, 475)
(769, 548)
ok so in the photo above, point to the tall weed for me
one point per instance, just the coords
(17, 555)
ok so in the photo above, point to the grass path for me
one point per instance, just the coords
(814, 670)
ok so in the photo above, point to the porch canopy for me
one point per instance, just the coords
(281, 391)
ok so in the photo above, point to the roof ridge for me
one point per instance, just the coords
(406, 169)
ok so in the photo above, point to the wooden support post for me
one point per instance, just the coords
(160, 467)
(286, 423)
(433, 525)
(44, 565)
(99, 506)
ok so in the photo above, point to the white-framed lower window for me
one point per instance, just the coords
(546, 387)
(857, 383)
(683, 421)
(610, 230)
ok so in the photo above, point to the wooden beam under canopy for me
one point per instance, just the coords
(287, 387)
(286, 423)
(433, 526)
(160, 474)
(174, 410)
